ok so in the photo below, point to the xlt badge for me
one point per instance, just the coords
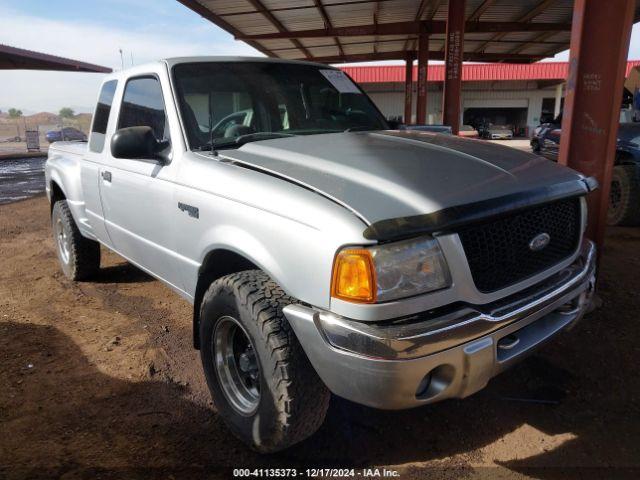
(192, 211)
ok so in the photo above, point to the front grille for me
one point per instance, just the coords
(498, 251)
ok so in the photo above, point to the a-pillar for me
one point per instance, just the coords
(453, 65)
(597, 61)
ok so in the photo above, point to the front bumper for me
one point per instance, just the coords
(441, 354)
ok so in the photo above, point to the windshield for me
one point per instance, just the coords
(227, 104)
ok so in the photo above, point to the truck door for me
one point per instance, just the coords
(137, 194)
(93, 159)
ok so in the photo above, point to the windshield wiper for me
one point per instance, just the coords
(248, 138)
(359, 128)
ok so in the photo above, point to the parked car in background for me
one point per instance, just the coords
(546, 139)
(468, 131)
(445, 129)
(624, 196)
(65, 134)
(496, 132)
(326, 252)
(397, 123)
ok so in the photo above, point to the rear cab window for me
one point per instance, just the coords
(101, 116)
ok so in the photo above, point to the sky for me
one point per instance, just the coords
(94, 30)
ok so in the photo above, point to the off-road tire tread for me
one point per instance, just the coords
(84, 253)
(301, 397)
(631, 216)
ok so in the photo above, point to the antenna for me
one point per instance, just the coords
(121, 58)
(213, 151)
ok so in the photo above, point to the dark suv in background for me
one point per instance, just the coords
(624, 204)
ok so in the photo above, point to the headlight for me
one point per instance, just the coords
(389, 272)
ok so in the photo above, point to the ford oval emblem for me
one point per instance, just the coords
(538, 242)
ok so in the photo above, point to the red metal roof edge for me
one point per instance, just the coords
(470, 72)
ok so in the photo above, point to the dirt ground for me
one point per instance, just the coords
(99, 380)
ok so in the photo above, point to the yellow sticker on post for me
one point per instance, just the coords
(340, 81)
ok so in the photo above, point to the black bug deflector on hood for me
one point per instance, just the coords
(452, 217)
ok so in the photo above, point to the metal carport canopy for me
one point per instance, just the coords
(333, 31)
(12, 58)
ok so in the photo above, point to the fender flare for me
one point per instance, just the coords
(248, 253)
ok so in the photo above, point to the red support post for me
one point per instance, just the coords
(408, 88)
(599, 46)
(451, 96)
(423, 66)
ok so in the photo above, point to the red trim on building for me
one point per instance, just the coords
(482, 72)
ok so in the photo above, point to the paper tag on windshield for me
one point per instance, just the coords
(340, 81)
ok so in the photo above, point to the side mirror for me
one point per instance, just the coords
(138, 142)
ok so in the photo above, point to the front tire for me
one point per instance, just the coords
(79, 257)
(624, 196)
(260, 379)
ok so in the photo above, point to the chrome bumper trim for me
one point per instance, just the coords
(402, 366)
(419, 336)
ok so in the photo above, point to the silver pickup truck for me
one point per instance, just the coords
(322, 251)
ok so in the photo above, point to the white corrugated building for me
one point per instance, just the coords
(514, 94)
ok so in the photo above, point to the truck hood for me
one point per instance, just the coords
(389, 175)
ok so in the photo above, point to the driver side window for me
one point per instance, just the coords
(143, 105)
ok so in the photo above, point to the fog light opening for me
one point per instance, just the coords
(424, 385)
(435, 382)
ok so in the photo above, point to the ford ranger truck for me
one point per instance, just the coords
(322, 252)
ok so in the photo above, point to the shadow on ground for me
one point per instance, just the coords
(149, 429)
(122, 273)
(571, 411)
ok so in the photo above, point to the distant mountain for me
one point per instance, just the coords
(27, 112)
(43, 118)
(81, 110)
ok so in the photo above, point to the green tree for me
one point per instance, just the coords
(67, 112)
(15, 113)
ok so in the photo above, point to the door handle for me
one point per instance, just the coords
(106, 176)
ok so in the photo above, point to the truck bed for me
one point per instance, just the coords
(72, 147)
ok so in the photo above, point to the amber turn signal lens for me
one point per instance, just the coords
(354, 276)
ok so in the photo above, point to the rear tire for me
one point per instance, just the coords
(79, 257)
(275, 398)
(624, 197)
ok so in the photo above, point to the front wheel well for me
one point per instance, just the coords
(56, 195)
(217, 264)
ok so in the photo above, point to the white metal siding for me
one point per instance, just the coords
(391, 101)
(495, 103)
